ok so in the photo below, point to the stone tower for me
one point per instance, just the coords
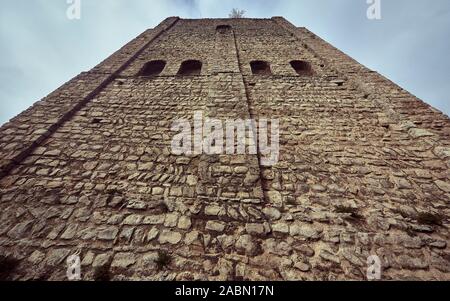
(363, 167)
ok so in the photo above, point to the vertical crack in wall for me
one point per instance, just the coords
(226, 103)
(251, 112)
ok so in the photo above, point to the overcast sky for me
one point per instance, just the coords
(40, 48)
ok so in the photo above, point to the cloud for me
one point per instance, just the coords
(41, 49)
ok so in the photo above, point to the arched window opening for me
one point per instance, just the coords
(260, 68)
(223, 28)
(190, 68)
(302, 68)
(152, 68)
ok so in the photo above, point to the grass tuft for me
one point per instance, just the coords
(163, 260)
(8, 265)
(102, 274)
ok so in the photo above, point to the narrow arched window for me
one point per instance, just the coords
(190, 68)
(302, 68)
(152, 68)
(260, 68)
(223, 28)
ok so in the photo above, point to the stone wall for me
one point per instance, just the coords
(363, 166)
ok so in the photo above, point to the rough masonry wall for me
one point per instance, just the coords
(370, 158)
(361, 162)
(26, 131)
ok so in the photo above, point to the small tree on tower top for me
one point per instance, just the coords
(236, 13)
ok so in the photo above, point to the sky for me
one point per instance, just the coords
(41, 48)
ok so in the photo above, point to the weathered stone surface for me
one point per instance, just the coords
(101, 260)
(272, 213)
(145, 166)
(440, 264)
(154, 220)
(257, 229)
(413, 263)
(20, 230)
(152, 234)
(422, 228)
(280, 228)
(191, 237)
(275, 198)
(70, 232)
(408, 241)
(246, 244)
(225, 269)
(226, 241)
(88, 259)
(329, 256)
(443, 152)
(305, 230)
(157, 190)
(250, 179)
(115, 219)
(56, 256)
(318, 188)
(191, 180)
(363, 238)
(213, 210)
(305, 250)
(176, 191)
(184, 223)
(215, 226)
(123, 260)
(440, 244)
(109, 233)
(278, 248)
(171, 220)
(126, 233)
(445, 186)
(136, 205)
(351, 256)
(170, 237)
(149, 261)
(302, 266)
(362, 167)
(133, 219)
(36, 257)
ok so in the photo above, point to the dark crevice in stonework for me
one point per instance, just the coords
(152, 68)
(302, 68)
(260, 68)
(190, 68)
(223, 29)
(96, 120)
